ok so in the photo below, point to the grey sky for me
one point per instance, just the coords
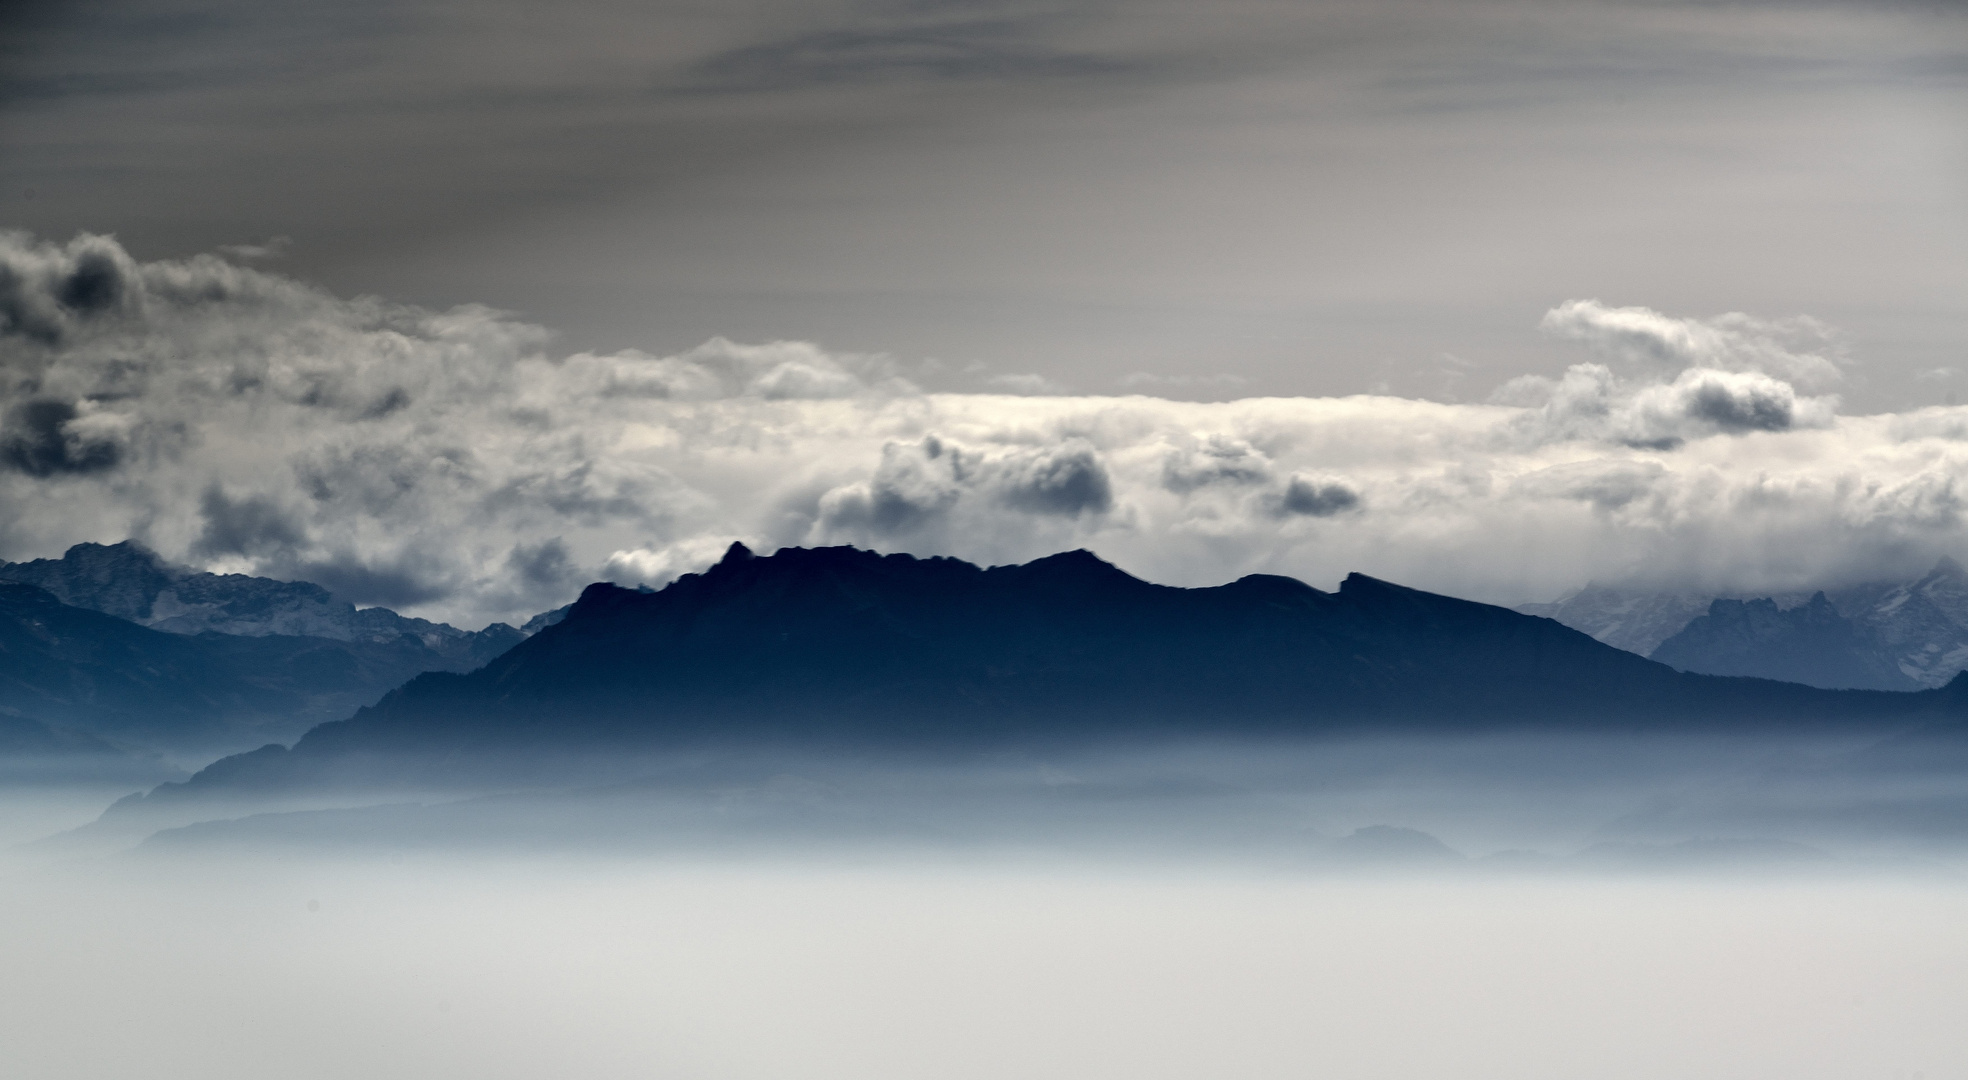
(1657, 292)
(1227, 199)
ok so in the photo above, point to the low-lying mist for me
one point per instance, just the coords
(834, 963)
(1512, 906)
(1525, 800)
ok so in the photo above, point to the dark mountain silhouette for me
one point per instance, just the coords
(838, 646)
(87, 677)
(545, 619)
(131, 582)
(1811, 644)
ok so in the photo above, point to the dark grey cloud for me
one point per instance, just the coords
(43, 439)
(253, 526)
(932, 488)
(1591, 401)
(1742, 408)
(393, 584)
(45, 290)
(1318, 497)
(95, 285)
(1067, 480)
(887, 509)
(914, 489)
(545, 565)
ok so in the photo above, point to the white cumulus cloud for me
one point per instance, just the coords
(1799, 350)
(451, 463)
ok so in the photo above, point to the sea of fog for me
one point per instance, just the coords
(860, 968)
(1589, 908)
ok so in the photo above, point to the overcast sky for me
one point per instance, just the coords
(1730, 239)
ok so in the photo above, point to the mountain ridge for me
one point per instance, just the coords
(132, 582)
(1891, 634)
(91, 677)
(854, 648)
(1811, 644)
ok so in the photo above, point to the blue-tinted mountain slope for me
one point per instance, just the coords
(92, 674)
(843, 647)
(1811, 643)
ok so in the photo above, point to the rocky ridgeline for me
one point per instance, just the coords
(131, 582)
(1884, 635)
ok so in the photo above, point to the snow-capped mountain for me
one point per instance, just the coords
(1881, 634)
(131, 582)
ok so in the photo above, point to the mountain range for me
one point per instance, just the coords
(131, 582)
(110, 651)
(839, 647)
(1881, 635)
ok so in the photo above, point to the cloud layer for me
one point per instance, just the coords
(454, 464)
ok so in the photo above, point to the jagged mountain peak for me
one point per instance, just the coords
(1811, 643)
(1947, 567)
(1357, 582)
(1946, 586)
(130, 581)
(122, 579)
(1911, 628)
(122, 554)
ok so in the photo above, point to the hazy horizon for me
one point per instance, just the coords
(454, 307)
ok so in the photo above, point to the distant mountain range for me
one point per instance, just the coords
(130, 582)
(848, 648)
(1904, 635)
(109, 650)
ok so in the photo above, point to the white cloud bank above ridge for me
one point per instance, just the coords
(451, 464)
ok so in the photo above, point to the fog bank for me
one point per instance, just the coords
(221, 969)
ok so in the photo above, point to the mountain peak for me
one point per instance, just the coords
(122, 559)
(121, 551)
(132, 582)
(1356, 582)
(1078, 558)
(1811, 643)
(116, 579)
(737, 553)
(1074, 570)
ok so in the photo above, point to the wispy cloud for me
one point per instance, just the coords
(919, 50)
(271, 248)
